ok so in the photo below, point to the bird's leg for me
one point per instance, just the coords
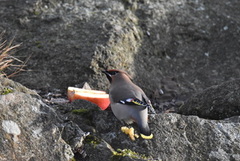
(129, 132)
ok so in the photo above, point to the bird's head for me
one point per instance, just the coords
(114, 73)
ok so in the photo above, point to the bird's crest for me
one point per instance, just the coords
(119, 71)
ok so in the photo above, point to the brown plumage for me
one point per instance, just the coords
(128, 101)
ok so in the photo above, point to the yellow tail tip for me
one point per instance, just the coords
(147, 137)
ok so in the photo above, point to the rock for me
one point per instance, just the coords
(192, 138)
(176, 137)
(98, 149)
(70, 42)
(173, 49)
(8, 86)
(31, 129)
(74, 136)
(216, 102)
(10, 127)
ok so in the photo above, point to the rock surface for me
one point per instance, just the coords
(173, 49)
(33, 130)
(194, 43)
(30, 130)
(176, 137)
(191, 138)
(216, 102)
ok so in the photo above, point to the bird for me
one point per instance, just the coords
(128, 101)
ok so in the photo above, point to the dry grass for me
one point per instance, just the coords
(8, 62)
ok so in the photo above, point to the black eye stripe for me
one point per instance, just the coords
(113, 72)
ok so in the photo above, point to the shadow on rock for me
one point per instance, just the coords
(216, 102)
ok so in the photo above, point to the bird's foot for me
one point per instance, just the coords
(129, 132)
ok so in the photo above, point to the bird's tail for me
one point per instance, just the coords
(145, 132)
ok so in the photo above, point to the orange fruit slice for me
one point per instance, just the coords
(100, 98)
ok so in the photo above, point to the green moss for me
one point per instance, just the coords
(37, 12)
(72, 159)
(39, 44)
(6, 90)
(85, 114)
(80, 111)
(93, 140)
(117, 155)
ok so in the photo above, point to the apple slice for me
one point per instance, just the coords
(100, 98)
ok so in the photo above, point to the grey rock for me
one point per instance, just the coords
(216, 102)
(194, 43)
(176, 137)
(100, 150)
(31, 130)
(70, 42)
(192, 138)
(74, 136)
(10, 127)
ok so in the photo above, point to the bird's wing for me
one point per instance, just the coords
(148, 102)
(133, 96)
(135, 101)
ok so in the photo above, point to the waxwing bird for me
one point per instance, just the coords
(128, 101)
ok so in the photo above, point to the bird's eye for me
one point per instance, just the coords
(114, 72)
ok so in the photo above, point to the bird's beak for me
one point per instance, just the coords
(109, 76)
